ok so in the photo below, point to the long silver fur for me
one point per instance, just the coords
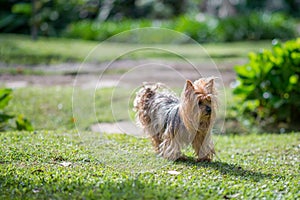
(172, 122)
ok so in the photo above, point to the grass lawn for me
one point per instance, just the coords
(62, 164)
(50, 108)
(56, 162)
(65, 165)
(19, 49)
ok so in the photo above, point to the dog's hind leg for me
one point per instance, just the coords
(170, 149)
(156, 141)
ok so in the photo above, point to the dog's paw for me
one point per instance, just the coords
(182, 158)
(204, 159)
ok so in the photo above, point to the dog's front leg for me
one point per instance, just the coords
(202, 148)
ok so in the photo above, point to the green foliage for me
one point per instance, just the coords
(269, 86)
(66, 165)
(120, 9)
(199, 27)
(23, 123)
(20, 121)
(291, 7)
(91, 30)
(256, 26)
(50, 17)
(5, 96)
(22, 8)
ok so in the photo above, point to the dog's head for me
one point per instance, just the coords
(198, 100)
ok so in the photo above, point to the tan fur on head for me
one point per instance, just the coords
(173, 123)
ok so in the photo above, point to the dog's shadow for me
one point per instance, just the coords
(229, 169)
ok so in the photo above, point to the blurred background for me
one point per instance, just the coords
(203, 20)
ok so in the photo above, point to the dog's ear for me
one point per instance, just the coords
(188, 86)
(210, 85)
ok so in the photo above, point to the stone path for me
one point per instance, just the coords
(126, 127)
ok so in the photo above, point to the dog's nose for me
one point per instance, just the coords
(208, 109)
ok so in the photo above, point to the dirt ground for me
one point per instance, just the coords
(136, 72)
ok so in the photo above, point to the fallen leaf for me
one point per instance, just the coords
(65, 164)
(173, 172)
(35, 190)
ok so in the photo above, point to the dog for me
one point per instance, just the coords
(174, 123)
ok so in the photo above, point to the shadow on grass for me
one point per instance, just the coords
(230, 169)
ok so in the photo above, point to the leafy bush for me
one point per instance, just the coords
(269, 86)
(50, 16)
(201, 28)
(256, 26)
(94, 30)
(21, 123)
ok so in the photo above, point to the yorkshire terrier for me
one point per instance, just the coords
(173, 123)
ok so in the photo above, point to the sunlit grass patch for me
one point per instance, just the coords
(65, 164)
(51, 107)
(19, 49)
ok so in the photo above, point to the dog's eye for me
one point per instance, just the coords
(199, 103)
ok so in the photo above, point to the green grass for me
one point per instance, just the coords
(65, 165)
(19, 49)
(62, 164)
(50, 108)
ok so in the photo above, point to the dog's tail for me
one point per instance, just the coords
(142, 101)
